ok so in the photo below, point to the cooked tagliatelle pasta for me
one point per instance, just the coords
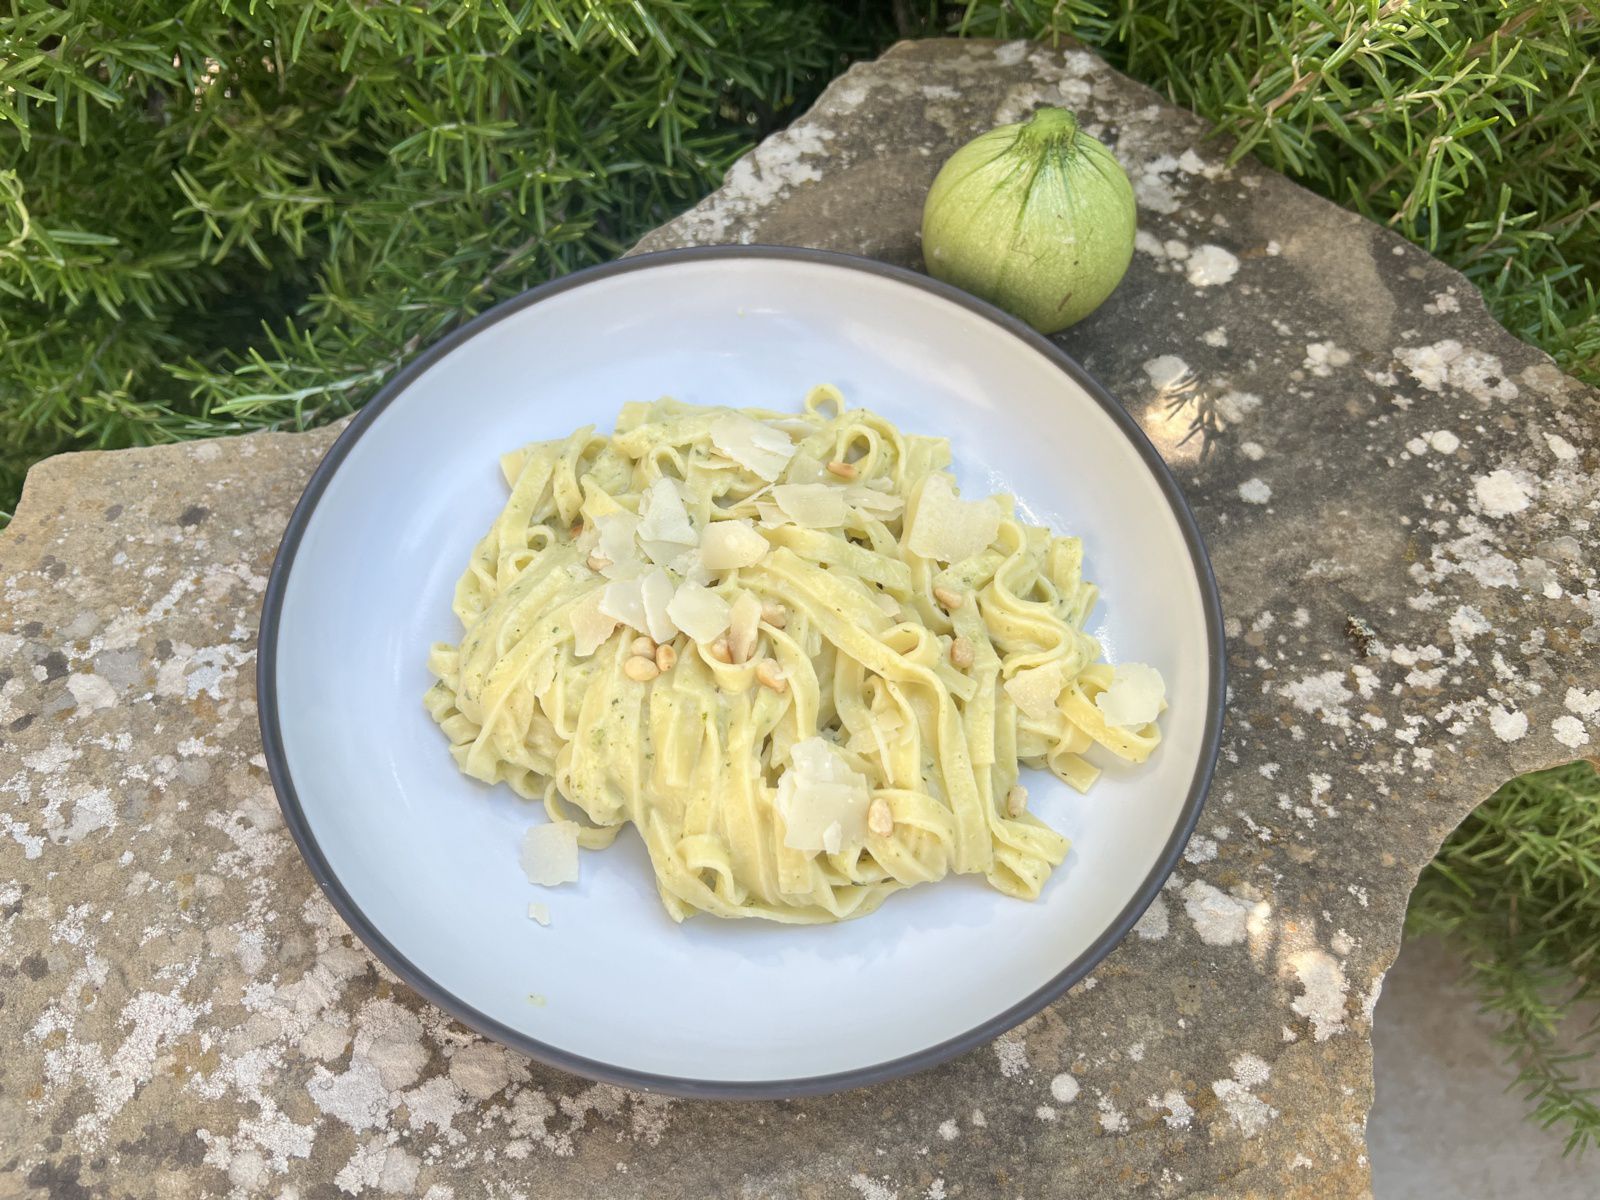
(786, 650)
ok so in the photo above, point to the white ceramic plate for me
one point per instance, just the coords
(422, 862)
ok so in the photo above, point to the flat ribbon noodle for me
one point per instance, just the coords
(859, 644)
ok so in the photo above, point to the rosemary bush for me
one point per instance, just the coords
(223, 215)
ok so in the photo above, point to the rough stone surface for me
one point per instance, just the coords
(1400, 500)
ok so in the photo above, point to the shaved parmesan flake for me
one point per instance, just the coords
(771, 515)
(822, 801)
(883, 505)
(663, 517)
(1036, 689)
(948, 528)
(624, 600)
(744, 626)
(616, 530)
(590, 626)
(539, 912)
(699, 612)
(664, 554)
(884, 730)
(550, 853)
(806, 468)
(811, 505)
(689, 566)
(1134, 698)
(759, 448)
(655, 591)
(728, 544)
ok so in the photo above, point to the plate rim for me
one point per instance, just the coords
(680, 1086)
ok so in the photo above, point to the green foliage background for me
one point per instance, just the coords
(225, 215)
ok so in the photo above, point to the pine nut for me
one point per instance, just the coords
(598, 562)
(640, 670)
(880, 820)
(576, 531)
(842, 470)
(666, 658)
(948, 599)
(961, 653)
(720, 651)
(774, 614)
(770, 675)
(1016, 801)
(643, 646)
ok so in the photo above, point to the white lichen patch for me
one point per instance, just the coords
(153, 1021)
(1220, 919)
(1323, 358)
(1255, 491)
(873, 1189)
(1501, 493)
(1064, 1088)
(1112, 1119)
(1212, 266)
(1508, 725)
(1153, 924)
(1011, 53)
(1448, 363)
(1233, 407)
(1179, 1112)
(1167, 373)
(1323, 988)
(1323, 695)
(1247, 1112)
(1012, 1052)
(1569, 731)
(1443, 441)
(1564, 450)
(1584, 702)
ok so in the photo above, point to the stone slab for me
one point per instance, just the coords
(1400, 501)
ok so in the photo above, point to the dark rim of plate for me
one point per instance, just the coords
(345, 904)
